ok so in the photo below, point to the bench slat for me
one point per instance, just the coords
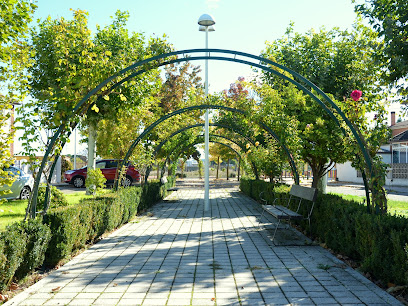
(307, 193)
(281, 212)
(292, 214)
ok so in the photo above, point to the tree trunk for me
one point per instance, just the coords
(91, 148)
(239, 167)
(228, 169)
(317, 173)
(218, 166)
(322, 185)
(182, 166)
(316, 179)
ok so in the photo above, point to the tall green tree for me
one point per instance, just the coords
(389, 20)
(14, 19)
(70, 61)
(338, 62)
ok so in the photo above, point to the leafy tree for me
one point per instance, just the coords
(220, 153)
(181, 82)
(69, 62)
(389, 19)
(267, 158)
(338, 62)
(6, 137)
(215, 153)
(14, 19)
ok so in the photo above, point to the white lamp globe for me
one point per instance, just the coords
(210, 28)
(206, 20)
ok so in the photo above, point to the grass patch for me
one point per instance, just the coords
(74, 198)
(14, 210)
(399, 208)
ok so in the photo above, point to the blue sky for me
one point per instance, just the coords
(240, 25)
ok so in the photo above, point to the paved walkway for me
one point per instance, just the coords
(179, 255)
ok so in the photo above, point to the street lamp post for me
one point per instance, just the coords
(206, 23)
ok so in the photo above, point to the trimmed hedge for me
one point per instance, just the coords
(376, 242)
(26, 246)
(22, 249)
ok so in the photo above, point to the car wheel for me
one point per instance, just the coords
(127, 181)
(78, 182)
(25, 193)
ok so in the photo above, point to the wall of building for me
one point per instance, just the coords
(346, 173)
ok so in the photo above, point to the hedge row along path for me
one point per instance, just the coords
(180, 255)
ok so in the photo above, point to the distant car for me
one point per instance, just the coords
(108, 167)
(21, 187)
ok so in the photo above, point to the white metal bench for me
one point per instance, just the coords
(297, 193)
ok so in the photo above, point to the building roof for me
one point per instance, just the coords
(403, 136)
(399, 125)
(383, 151)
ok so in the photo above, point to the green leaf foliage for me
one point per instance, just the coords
(389, 20)
(95, 180)
(57, 198)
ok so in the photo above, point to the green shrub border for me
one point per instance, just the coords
(51, 240)
(376, 242)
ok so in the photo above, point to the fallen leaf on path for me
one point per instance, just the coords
(3, 297)
(13, 286)
(56, 289)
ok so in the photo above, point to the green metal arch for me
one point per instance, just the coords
(212, 141)
(205, 106)
(160, 145)
(198, 138)
(260, 63)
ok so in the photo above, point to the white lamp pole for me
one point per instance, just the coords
(75, 143)
(206, 23)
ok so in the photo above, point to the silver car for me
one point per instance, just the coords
(21, 187)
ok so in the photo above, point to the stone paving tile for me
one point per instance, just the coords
(182, 255)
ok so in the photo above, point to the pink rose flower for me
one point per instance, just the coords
(356, 95)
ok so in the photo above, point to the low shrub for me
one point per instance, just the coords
(67, 233)
(57, 198)
(13, 242)
(38, 236)
(95, 180)
(376, 242)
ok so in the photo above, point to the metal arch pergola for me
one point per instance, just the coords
(198, 141)
(160, 145)
(212, 141)
(223, 55)
(190, 108)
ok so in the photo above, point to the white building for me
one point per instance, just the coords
(395, 154)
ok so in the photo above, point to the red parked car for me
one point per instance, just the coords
(108, 167)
